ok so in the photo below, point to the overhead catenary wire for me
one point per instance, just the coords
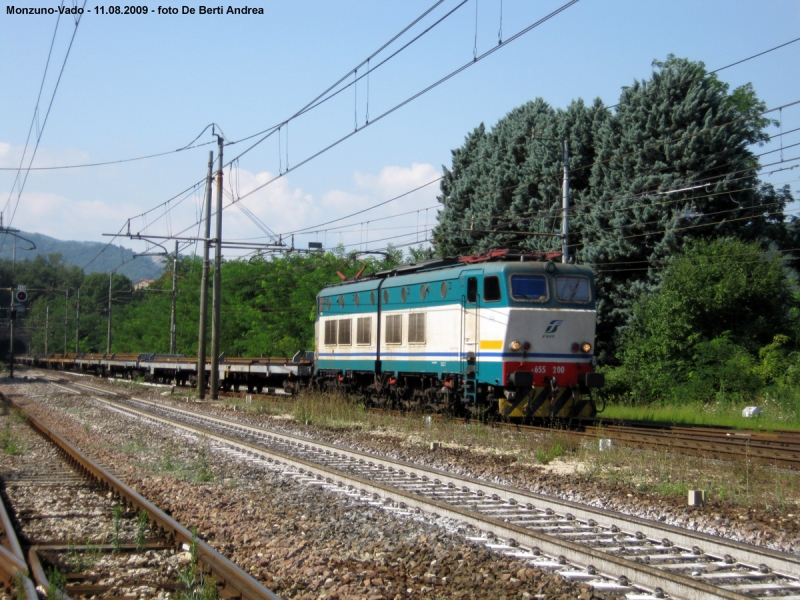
(527, 182)
(343, 218)
(35, 116)
(610, 107)
(40, 132)
(752, 216)
(269, 129)
(344, 77)
(703, 183)
(574, 208)
(284, 125)
(399, 105)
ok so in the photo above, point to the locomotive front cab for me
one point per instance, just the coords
(547, 351)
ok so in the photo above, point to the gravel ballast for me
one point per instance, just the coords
(300, 541)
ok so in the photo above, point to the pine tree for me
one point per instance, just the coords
(672, 164)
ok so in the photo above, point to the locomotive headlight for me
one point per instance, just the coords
(515, 345)
(586, 348)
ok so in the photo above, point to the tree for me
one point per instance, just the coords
(719, 303)
(673, 164)
(507, 183)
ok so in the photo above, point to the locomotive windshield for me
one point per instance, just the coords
(572, 289)
(529, 287)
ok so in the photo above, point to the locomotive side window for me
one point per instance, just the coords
(394, 329)
(491, 288)
(416, 328)
(472, 289)
(364, 331)
(529, 287)
(572, 289)
(330, 333)
(345, 328)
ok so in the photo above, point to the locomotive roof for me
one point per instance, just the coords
(496, 260)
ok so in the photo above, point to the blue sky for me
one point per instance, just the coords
(136, 85)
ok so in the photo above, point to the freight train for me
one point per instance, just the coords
(502, 334)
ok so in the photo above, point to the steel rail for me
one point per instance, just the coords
(13, 569)
(41, 577)
(227, 574)
(742, 552)
(644, 575)
(779, 450)
(587, 559)
(751, 448)
(693, 442)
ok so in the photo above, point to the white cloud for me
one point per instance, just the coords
(279, 206)
(285, 209)
(67, 219)
(393, 181)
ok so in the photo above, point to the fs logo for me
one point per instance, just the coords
(552, 328)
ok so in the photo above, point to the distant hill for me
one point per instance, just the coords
(80, 253)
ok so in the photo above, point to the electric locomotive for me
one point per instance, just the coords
(504, 333)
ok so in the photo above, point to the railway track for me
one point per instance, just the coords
(611, 551)
(780, 449)
(103, 537)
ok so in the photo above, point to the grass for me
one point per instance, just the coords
(79, 562)
(57, 581)
(117, 516)
(202, 466)
(10, 442)
(198, 470)
(142, 529)
(329, 410)
(715, 415)
(195, 584)
(739, 483)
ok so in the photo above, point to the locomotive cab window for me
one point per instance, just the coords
(529, 288)
(572, 289)
(330, 333)
(491, 288)
(472, 289)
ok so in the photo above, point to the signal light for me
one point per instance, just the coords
(21, 296)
